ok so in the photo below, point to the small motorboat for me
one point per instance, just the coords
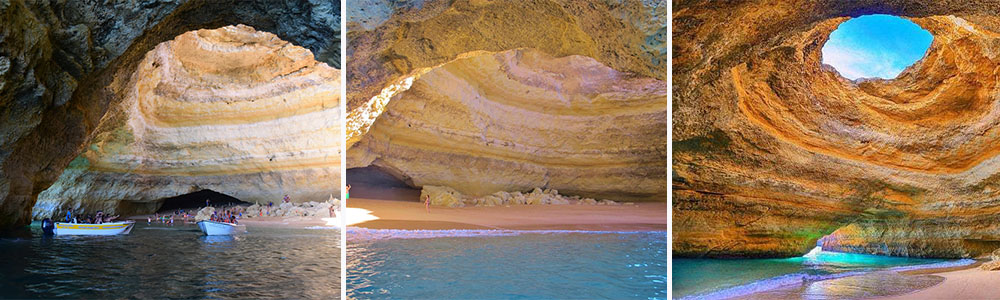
(113, 228)
(219, 228)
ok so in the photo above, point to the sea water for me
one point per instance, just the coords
(171, 261)
(506, 264)
(725, 278)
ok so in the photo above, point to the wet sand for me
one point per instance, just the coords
(961, 282)
(397, 214)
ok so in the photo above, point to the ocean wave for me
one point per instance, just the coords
(323, 227)
(365, 233)
(796, 278)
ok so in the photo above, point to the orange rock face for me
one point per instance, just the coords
(773, 150)
(503, 96)
(233, 110)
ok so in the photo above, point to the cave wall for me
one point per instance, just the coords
(234, 110)
(773, 150)
(62, 65)
(484, 96)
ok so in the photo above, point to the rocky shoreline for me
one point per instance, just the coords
(305, 209)
(446, 196)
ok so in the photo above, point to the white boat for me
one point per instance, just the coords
(113, 228)
(219, 228)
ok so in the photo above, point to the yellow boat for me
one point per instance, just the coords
(112, 228)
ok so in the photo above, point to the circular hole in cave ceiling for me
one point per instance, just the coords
(875, 46)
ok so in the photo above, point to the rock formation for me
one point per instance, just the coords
(496, 96)
(305, 209)
(994, 263)
(446, 196)
(772, 150)
(234, 110)
(63, 64)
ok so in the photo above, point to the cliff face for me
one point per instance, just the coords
(64, 64)
(512, 95)
(233, 110)
(773, 150)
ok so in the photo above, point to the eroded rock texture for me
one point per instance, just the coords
(773, 150)
(511, 95)
(64, 63)
(232, 110)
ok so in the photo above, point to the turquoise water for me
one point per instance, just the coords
(487, 264)
(161, 261)
(719, 278)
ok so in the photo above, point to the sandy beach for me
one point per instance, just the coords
(967, 282)
(396, 214)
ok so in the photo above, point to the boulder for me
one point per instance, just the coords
(442, 196)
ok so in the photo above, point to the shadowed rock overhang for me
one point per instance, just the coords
(773, 150)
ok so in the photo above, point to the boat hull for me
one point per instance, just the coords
(113, 228)
(218, 228)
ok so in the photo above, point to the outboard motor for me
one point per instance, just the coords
(48, 227)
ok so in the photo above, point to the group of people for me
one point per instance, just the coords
(168, 218)
(228, 215)
(98, 218)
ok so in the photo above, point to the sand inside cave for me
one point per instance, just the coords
(396, 214)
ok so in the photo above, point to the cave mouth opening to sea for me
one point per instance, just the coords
(197, 200)
(195, 115)
(875, 46)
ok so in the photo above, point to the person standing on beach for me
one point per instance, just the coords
(208, 203)
(286, 199)
(427, 203)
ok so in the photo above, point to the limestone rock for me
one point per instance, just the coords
(773, 150)
(446, 196)
(234, 110)
(205, 213)
(512, 95)
(442, 196)
(65, 63)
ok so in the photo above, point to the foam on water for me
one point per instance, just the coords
(375, 234)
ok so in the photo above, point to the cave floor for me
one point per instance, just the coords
(394, 214)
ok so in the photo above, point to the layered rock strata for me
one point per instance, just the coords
(234, 110)
(773, 150)
(520, 119)
(524, 94)
(62, 65)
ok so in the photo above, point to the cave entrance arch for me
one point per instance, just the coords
(104, 43)
(195, 200)
(193, 90)
(875, 46)
(373, 182)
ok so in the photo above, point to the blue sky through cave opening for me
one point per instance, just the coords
(875, 46)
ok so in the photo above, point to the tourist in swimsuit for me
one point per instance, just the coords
(427, 203)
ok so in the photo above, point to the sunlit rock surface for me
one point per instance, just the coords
(773, 150)
(233, 110)
(512, 95)
(63, 64)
